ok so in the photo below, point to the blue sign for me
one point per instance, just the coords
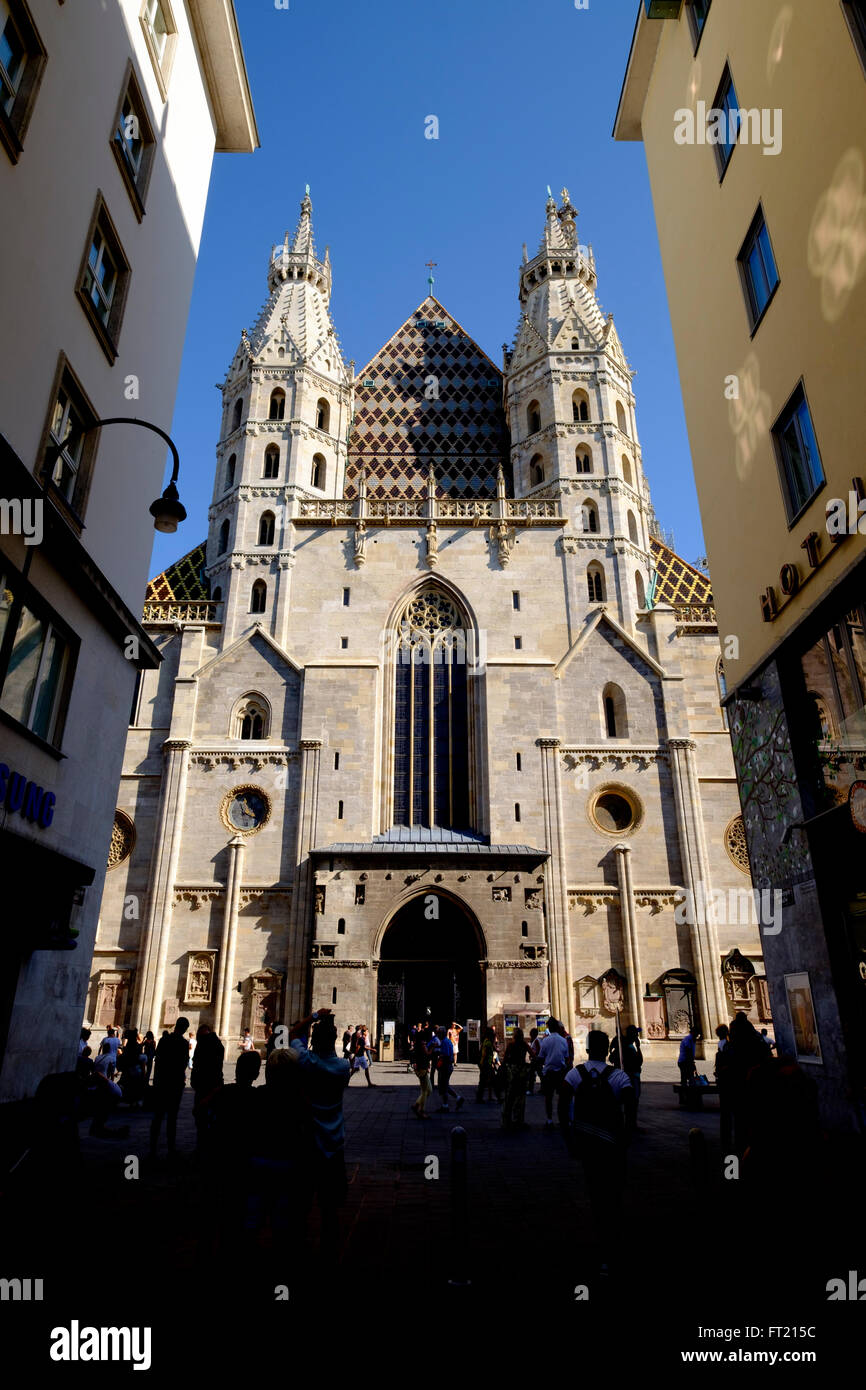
(33, 802)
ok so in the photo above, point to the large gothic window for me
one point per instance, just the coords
(431, 757)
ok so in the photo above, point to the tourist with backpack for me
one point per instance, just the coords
(597, 1107)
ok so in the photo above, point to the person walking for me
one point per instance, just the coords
(597, 1109)
(632, 1063)
(554, 1065)
(149, 1049)
(361, 1055)
(446, 1070)
(686, 1056)
(421, 1065)
(347, 1041)
(169, 1079)
(516, 1061)
(486, 1071)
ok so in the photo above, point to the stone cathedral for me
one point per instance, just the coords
(437, 730)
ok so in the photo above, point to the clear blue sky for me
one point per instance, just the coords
(526, 95)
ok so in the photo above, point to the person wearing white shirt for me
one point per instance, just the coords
(554, 1065)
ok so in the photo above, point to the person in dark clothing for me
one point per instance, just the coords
(169, 1080)
(745, 1052)
(516, 1067)
(279, 1179)
(597, 1107)
(206, 1080)
(131, 1068)
(148, 1047)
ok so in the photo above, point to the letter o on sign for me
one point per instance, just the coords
(789, 579)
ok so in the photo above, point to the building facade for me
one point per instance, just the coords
(103, 199)
(752, 117)
(437, 727)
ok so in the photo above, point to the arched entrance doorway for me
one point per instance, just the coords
(429, 966)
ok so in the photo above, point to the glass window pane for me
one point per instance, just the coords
(767, 256)
(757, 279)
(48, 691)
(23, 666)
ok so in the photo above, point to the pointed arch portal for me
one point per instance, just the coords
(430, 965)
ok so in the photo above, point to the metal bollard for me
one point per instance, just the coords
(459, 1208)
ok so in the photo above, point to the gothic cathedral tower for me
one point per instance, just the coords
(571, 411)
(287, 405)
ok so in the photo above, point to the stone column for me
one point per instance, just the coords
(705, 949)
(302, 898)
(157, 926)
(228, 941)
(556, 897)
(631, 944)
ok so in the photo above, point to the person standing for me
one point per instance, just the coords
(347, 1041)
(149, 1049)
(486, 1072)
(446, 1069)
(454, 1038)
(554, 1065)
(597, 1107)
(206, 1079)
(534, 1060)
(325, 1077)
(169, 1079)
(686, 1057)
(516, 1062)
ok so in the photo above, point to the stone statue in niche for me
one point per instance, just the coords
(320, 900)
(613, 991)
(532, 898)
(502, 895)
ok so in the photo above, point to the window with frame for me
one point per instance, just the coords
(698, 11)
(22, 61)
(69, 443)
(758, 269)
(104, 280)
(133, 142)
(272, 461)
(855, 13)
(834, 673)
(726, 106)
(37, 659)
(160, 35)
(802, 475)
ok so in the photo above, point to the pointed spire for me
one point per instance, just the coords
(303, 243)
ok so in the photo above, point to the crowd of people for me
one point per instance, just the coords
(288, 1136)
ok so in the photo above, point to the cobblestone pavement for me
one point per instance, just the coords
(694, 1247)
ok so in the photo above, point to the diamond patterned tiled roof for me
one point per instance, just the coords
(678, 582)
(402, 426)
(182, 580)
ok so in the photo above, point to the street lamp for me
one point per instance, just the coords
(167, 510)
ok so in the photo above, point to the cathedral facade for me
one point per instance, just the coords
(437, 726)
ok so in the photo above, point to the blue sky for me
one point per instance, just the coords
(526, 95)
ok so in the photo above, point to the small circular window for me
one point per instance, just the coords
(614, 810)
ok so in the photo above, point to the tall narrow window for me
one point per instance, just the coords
(431, 752)
(515, 600)
(317, 472)
(519, 762)
(758, 269)
(236, 413)
(272, 461)
(725, 115)
(632, 528)
(104, 280)
(336, 762)
(339, 810)
(536, 470)
(347, 593)
(640, 591)
(251, 719)
(799, 459)
(224, 537)
(595, 584)
(723, 689)
(323, 415)
(613, 704)
(580, 405)
(855, 13)
(230, 471)
(133, 142)
(620, 418)
(583, 459)
(698, 11)
(266, 528)
(277, 408)
(70, 443)
(533, 417)
(22, 59)
(589, 516)
(517, 810)
(259, 597)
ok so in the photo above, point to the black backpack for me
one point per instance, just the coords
(597, 1113)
